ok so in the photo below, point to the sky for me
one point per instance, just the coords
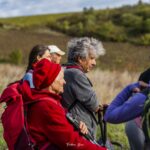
(11, 8)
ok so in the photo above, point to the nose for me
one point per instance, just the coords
(64, 82)
(94, 62)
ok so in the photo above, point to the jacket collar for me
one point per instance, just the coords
(73, 65)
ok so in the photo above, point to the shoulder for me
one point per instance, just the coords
(27, 75)
(74, 73)
(48, 104)
(73, 70)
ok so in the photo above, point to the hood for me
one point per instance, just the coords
(30, 95)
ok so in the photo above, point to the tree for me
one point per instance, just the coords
(140, 2)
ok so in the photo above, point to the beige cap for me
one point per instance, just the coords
(55, 49)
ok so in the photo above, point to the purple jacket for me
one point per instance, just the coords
(126, 106)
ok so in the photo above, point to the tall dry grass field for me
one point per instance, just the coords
(106, 84)
(9, 73)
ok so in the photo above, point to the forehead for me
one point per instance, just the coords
(47, 52)
(92, 54)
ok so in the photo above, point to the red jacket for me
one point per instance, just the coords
(47, 122)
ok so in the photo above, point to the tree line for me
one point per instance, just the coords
(125, 24)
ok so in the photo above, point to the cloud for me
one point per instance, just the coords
(9, 8)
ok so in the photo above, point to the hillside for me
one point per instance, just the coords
(125, 24)
(23, 41)
(119, 56)
(20, 34)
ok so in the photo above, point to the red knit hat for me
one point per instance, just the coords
(45, 73)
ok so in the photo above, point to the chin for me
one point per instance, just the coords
(60, 92)
(88, 70)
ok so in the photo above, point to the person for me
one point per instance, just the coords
(56, 54)
(79, 97)
(128, 104)
(37, 53)
(133, 128)
(51, 126)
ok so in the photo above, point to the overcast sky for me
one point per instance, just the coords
(10, 8)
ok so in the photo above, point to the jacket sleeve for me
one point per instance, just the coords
(125, 106)
(84, 92)
(60, 132)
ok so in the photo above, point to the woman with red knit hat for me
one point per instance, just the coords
(47, 118)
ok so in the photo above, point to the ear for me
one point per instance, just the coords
(38, 58)
(79, 60)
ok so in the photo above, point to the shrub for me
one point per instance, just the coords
(133, 23)
(15, 57)
(110, 31)
(145, 39)
(147, 25)
(131, 20)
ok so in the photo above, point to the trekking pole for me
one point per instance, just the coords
(100, 121)
(75, 122)
(104, 124)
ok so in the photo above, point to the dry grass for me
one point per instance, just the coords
(9, 73)
(108, 83)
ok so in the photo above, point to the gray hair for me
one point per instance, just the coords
(81, 47)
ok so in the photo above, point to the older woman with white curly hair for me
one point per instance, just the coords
(79, 97)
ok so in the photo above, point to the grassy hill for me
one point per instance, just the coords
(125, 24)
(20, 34)
(119, 56)
(30, 21)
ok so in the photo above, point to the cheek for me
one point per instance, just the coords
(62, 84)
(88, 64)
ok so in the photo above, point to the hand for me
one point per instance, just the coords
(136, 90)
(135, 87)
(101, 107)
(83, 128)
(143, 84)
